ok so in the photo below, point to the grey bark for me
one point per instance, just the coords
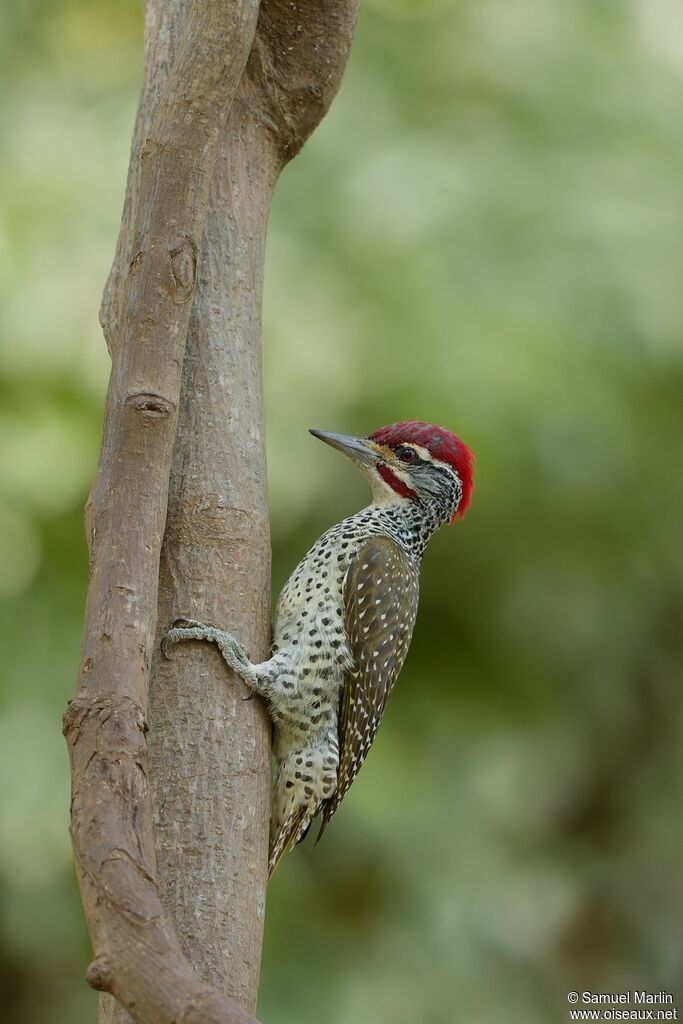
(209, 750)
(181, 249)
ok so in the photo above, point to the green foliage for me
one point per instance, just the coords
(485, 232)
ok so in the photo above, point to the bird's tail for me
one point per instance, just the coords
(324, 820)
(292, 831)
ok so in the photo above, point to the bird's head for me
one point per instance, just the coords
(412, 461)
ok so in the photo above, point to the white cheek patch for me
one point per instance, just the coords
(402, 474)
(382, 492)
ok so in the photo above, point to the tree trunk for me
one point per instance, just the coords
(181, 248)
(209, 750)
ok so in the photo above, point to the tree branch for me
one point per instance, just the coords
(138, 957)
(215, 562)
(172, 260)
(296, 65)
(210, 811)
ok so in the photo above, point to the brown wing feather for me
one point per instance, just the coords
(380, 599)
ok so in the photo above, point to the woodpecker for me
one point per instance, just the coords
(344, 621)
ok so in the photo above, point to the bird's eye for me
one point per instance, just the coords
(406, 454)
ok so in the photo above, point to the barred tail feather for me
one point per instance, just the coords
(292, 831)
(329, 807)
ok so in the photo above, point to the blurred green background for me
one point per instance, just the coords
(486, 232)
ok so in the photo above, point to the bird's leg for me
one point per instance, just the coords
(234, 653)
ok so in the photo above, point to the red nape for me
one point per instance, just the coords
(441, 444)
(396, 483)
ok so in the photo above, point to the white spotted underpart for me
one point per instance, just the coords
(343, 625)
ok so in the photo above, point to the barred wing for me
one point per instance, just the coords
(380, 599)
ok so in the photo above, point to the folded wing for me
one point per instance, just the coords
(380, 596)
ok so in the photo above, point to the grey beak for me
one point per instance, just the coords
(355, 448)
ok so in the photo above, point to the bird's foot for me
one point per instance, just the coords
(234, 653)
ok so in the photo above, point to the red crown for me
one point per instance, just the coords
(442, 445)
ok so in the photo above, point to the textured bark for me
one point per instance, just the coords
(210, 750)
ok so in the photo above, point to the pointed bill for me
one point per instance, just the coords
(357, 448)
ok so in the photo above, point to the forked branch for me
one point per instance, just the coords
(138, 957)
(294, 70)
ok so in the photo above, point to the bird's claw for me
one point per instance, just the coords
(234, 653)
(186, 624)
(164, 646)
(168, 639)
